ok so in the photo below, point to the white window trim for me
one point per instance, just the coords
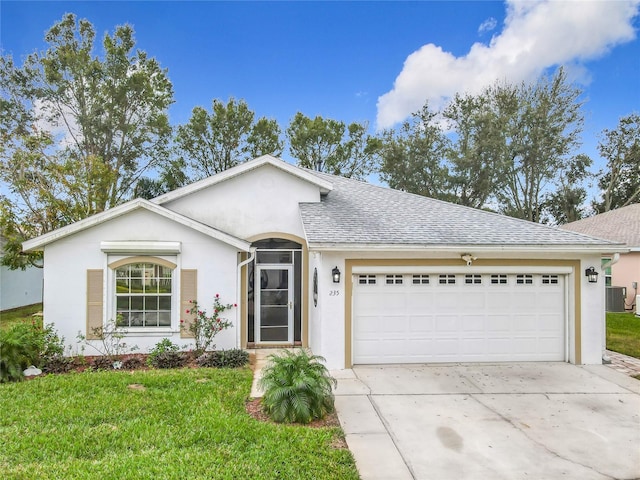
(129, 247)
(110, 295)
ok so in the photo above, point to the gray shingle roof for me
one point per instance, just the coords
(620, 225)
(358, 213)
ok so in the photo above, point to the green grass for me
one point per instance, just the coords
(185, 424)
(623, 333)
(15, 315)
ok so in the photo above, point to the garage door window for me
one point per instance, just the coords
(524, 279)
(447, 279)
(498, 279)
(394, 279)
(367, 279)
(549, 279)
(473, 279)
(421, 279)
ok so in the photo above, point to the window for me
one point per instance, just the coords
(473, 279)
(394, 280)
(607, 271)
(143, 295)
(367, 279)
(498, 279)
(447, 279)
(420, 280)
(549, 279)
(524, 279)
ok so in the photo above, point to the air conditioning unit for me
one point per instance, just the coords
(637, 305)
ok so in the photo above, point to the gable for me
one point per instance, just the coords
(263, 199)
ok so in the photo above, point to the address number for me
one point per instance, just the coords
(334, 293)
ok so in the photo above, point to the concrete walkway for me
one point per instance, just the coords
(624, 364)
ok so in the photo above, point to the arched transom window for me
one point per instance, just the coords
(143, 295)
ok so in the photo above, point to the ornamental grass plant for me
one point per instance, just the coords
(297, 387)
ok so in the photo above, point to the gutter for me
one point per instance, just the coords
(252, 256)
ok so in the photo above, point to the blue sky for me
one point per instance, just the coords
(363, 61)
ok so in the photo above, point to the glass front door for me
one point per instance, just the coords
(274, 304)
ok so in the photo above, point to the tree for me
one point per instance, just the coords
(78, 129)
(566, 203)
(542, 133)
(620, 180)
(476, 159)
(413, 159)
(210, 143)
(330, 146)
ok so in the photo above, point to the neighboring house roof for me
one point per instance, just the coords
(357, 214)
(619, 225)
(139, 203)
(324, 185)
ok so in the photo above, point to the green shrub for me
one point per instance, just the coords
(19, 347)
(163, 346)
(297, 387)
(233, 358)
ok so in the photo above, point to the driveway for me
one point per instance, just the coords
(507, 421)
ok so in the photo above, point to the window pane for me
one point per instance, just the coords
(136, 303)
(136, 286)
(135, 319)
(164, 285)
(150, 303)
(122, 303)
(164, 303)
(136, 270)
(151, 319)
(164, 319)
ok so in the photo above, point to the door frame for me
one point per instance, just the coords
(258, 296)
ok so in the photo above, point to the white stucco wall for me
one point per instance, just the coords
(260, 201)
(67, 261)
(20, 287)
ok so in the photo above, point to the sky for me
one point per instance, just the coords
(374, 62)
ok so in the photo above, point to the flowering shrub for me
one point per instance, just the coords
(205, 327)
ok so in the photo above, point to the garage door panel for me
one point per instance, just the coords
(472, 319)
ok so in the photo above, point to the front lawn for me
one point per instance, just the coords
(623, 333)
(169, 424)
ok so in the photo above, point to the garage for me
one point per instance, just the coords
(456, 316)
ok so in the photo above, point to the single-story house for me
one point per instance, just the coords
(19, 288)
(621, 225)
(361, 274)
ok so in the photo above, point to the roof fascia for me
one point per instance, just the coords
(324, 186)
(604, 248)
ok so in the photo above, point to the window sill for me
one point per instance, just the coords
(149, 331)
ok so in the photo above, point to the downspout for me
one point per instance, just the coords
(605, 358)
(252, 255)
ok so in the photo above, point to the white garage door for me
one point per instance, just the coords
(422, 318)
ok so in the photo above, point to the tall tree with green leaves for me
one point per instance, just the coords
(567, 202)
(414, 158)
(331, 146)
(620, 179)
(210, 143)
(543, 134)
(78, 128)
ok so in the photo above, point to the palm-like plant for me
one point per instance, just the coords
(19, 347)
(297, 387)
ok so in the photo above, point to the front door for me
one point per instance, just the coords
(274, 304)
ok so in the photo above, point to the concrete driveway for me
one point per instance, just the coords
(507, 421)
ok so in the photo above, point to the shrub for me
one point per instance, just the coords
(57, 364)
(168, 360)
(111, 341)
(203, 327)
(19, 347)
(163, 346)
(297, 387)
(233, 358)
(132, 363)
(102, 363)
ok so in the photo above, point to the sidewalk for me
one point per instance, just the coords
(624, 364)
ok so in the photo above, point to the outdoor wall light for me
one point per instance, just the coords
(335, 273)
(591, 274)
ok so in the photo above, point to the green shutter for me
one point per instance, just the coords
(95, 279)
(188, 292)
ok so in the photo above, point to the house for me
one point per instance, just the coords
(621, 225)
(19, 288)
(359, 273)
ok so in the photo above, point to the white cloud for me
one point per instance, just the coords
(488, 25)
(536, 36)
